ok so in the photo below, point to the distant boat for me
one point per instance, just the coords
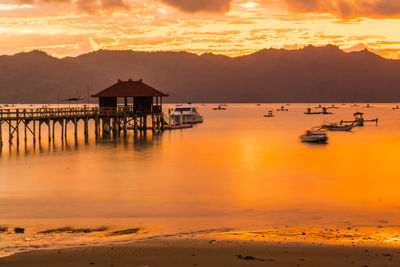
(270, 114)
(337, 127)
(219, 108)
(396, 107)
(282, 109)
(323, 112)
(368, 106)
(186, 114)
(313, 136)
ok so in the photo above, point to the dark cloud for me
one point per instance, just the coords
(192, 6)
(348, 8)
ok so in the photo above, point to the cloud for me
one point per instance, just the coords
(348, 8)
(84, 5)
(193, 6)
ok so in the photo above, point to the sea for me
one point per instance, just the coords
(236, 175)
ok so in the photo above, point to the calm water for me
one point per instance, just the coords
(237, 170)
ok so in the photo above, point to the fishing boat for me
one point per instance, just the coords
(368, 106)
(396, 107)
(186, 114)
(332, 106)
(323, 112)
(270, 114)
(282, 109)
(337, 127)
(314, 136)
(219, 108)
(178, 126)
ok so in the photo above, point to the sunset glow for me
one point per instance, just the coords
(230, 27)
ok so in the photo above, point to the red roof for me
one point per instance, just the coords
(129, 88)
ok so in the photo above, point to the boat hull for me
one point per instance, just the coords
(313, 139)
(187, 119)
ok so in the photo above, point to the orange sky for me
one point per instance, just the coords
(231, 27)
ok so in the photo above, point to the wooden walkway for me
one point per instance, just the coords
(106, 120)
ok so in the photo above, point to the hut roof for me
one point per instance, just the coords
(129, 88)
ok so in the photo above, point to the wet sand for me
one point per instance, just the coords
(210, 252)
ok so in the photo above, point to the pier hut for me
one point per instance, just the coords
(146, 101)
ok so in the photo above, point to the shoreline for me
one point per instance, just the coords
(210, 252)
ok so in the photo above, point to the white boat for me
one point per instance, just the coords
(312, 136)
(186, 114)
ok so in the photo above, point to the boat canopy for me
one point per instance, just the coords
(179, 109)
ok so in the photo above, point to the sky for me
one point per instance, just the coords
(230, 27)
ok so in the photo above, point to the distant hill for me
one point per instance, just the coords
(310, 74)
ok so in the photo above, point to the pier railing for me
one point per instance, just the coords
(55, 113)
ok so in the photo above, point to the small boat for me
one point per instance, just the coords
(178, 126)
(313, 136)
(396, 107)
(368, 106)
(333, 106)
(219, 108)
(323, 112)
(282, 109)
(270, 114)
(337, 127)
(186, 114)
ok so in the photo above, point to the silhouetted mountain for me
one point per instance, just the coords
(311, 74)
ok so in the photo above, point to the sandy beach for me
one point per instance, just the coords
(210, 252)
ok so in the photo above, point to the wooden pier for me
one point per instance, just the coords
(108, 116)
(28, 123)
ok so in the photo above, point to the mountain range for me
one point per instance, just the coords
(309, 74)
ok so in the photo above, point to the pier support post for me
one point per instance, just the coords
(49, 130)
(86, 129)
(40, 131)
(1, 134)
(145, 124)
(54, 123)
(9, 131)
(75, 129)
(114, 126)
(25, 127)
(66, 129)
(34, 132)
(17, 125)
(135, 125)
(153, 124)
(125, 123)
(158, 123)
(96, 126)
(62, 130)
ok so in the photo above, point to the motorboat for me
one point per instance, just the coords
(313, 136)
(270, 114)
(323, 112)
(337, 127)
(282, 109)
(186, 114)
(219, 108)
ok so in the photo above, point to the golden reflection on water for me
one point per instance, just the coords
(237, 170)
